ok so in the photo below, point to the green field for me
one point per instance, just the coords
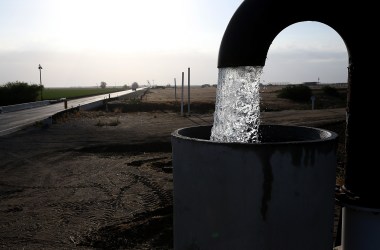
(70, 93)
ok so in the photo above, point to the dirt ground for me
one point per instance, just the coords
(96, 179)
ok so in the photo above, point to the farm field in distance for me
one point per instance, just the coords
(76, 92)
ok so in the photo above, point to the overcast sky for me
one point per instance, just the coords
(84, 42)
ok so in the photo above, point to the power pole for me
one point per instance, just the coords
(183, 73)
(188, 91)
(175, 89)
(40, 67)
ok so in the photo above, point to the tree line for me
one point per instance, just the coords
(19, 92)
(134, 85)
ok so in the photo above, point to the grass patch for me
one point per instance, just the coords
(112, 122)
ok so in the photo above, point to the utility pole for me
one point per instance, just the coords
(40, 67)
(175, 89)
(183, 73)
(188, 91)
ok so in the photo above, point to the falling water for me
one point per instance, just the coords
(237, 107)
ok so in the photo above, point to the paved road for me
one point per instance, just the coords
(13, 121)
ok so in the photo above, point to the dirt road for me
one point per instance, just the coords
(99, 180)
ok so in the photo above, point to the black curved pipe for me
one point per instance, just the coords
(255, 25)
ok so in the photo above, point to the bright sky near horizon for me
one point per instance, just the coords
(84, 42)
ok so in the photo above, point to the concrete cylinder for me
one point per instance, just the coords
(277, 194)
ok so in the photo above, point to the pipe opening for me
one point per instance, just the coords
(269, 134)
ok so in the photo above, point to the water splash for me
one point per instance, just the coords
(237, 107)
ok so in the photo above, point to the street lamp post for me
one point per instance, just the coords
(40, 67)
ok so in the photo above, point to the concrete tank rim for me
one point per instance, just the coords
(332, 136)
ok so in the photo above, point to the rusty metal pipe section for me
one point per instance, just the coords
(277, 194)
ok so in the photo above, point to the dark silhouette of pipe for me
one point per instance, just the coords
(255, 25)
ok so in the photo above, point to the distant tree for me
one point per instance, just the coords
(19, 92)
(330, 91)
(135, 85)
(103, 85)
(125, 86)
(298, 93)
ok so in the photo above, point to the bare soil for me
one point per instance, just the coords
(97, 179)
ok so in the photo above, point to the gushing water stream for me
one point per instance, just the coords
(237, 107)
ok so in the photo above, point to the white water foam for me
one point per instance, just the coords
(237, 107)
